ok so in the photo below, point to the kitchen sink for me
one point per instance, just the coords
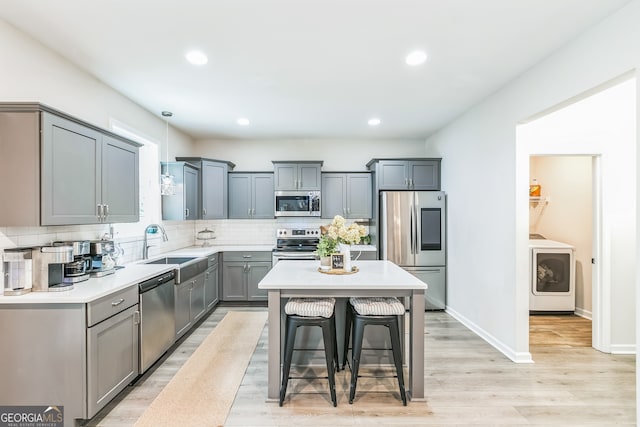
(186, 267)
(171, 260)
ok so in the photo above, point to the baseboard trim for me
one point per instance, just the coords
(518, 357)
(584, 313)
(623, 349)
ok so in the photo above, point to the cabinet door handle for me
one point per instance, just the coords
(204, 212)
(406, 182)
(186, 213)
(136, 317)
(106, 211)
(411, 183)
(349, 211)
(246, 256)
(253, 212)
(116, 303)
(99, 212)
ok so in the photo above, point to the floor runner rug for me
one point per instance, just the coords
(203, 390)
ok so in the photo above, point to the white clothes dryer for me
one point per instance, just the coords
(552, 275)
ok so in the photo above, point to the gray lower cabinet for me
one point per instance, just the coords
(242, 271)
(184, 204)
(112, 346)
(112, 357)
(91, 353)
(406, 174)
(363, 255)
(64, 171)
(251, 195)
(347, 194)
(211, 293)
(190, 303)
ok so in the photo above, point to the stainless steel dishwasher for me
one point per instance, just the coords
(157, 321)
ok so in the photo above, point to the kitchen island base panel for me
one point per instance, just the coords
(414, 357)
(376, 278)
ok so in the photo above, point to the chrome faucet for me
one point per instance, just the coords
(153, 228)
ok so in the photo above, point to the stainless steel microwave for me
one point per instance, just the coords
(297, 203)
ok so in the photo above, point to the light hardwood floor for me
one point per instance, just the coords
(467, 383)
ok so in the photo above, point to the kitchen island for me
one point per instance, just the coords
(375, 278)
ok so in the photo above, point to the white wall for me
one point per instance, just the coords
(338, 155)
(487, 258)
(565, 214)
(31, 72)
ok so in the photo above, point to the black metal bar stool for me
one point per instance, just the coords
(311, 312)
(361, 312)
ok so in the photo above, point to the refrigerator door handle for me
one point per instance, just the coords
(412, 230)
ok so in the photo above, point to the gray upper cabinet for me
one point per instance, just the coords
(406, 174)
(304, 176)
(64, 171)
(120, 165)
(251, 195)
(71, 188)
(183, 205)
(212, 197)
(346, 194)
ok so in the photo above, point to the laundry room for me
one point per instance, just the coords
(561, 228)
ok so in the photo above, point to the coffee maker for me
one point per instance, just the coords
(102, 257)
(48, 268)
(78, 269)
(18, 271)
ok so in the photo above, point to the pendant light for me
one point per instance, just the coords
(167, 183)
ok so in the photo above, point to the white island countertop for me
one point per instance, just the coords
(374, 275)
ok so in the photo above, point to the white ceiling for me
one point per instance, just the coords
(306, 68)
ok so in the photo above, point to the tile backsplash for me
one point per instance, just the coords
(181, 234)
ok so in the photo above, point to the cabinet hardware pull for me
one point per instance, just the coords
(115, 303)
(106, 211)
(186, 213)
(204, 212)
(246, 256)
(136, 317)
(99, 212)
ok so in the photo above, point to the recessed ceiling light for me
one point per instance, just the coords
(416, 57)
(196, 57)
(374, 121)
(243, 121)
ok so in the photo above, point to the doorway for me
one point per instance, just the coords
(599, 125)
(561, 215)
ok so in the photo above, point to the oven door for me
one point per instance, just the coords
(297, 203)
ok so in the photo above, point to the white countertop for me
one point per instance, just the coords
(94, 288)
(132, 274)
(379, 275)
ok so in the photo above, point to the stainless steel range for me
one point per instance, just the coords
(296, 244)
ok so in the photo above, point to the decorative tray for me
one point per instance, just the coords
(354, 270)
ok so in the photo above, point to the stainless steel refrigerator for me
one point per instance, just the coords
(413, 236)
